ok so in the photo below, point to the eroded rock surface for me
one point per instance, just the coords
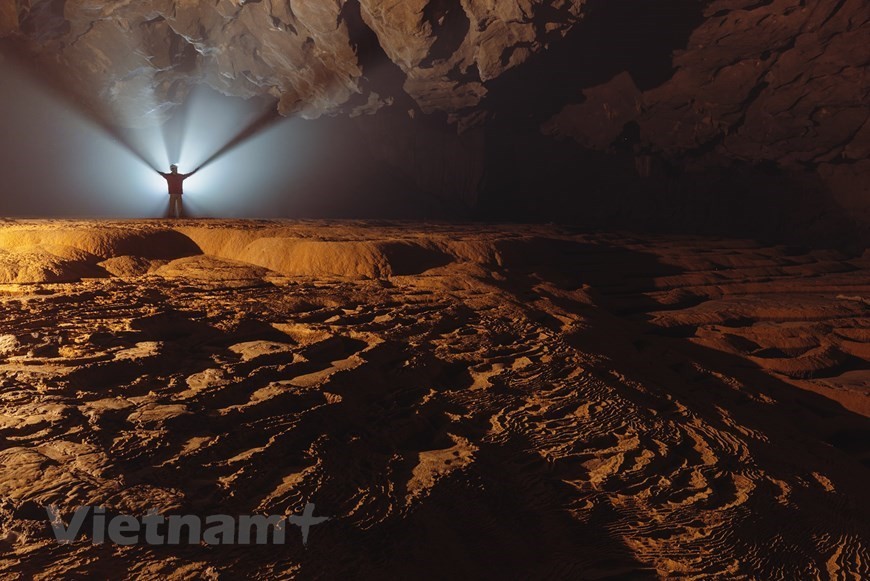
(582, 406)
(142, 57)
(695, 84)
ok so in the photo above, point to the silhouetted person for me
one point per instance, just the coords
(175, 181)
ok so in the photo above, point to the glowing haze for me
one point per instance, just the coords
(61, 163)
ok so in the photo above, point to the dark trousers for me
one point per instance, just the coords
(175, 208)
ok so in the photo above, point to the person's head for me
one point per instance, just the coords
(173, 168)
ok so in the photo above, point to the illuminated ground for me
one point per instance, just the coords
(466, 402)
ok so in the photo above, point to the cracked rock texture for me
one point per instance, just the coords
(465, 401)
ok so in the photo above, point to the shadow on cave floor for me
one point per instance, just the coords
(617, 279)
(507, 520)
(514, 504)
(510, 515)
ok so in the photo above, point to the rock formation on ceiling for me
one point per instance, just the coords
(780, 81)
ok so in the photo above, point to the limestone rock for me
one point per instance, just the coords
(780, 82)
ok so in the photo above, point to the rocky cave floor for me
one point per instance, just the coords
(464, 401)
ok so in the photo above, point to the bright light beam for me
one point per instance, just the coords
(259, 125)
(59, 162)
(52, 82)
(207, 126)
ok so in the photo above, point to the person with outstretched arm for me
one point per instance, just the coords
(175, 181)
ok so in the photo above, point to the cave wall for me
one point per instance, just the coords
(780, 83)
(481, 105)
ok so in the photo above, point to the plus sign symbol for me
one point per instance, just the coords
(307, 520)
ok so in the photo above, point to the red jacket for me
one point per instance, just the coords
(175, 181)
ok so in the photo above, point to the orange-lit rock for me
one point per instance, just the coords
(582, 403)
